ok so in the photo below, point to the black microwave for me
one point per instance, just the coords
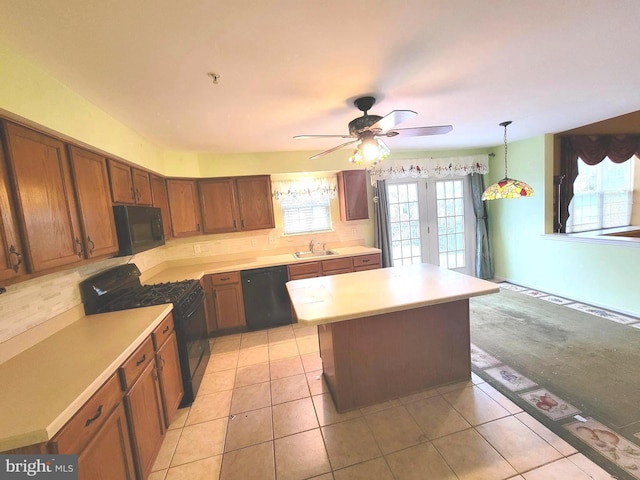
(139, 228)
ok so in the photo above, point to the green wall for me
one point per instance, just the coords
(600, 274)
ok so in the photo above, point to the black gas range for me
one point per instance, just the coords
(119, 288)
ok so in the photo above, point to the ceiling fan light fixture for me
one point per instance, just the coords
(370, 150)
(507, 187)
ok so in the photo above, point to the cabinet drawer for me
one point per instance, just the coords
(342, 264)
(367, 260)
(304, 270)
(225, 278)
(162, 331)
(135, 364)
(88, 420)
(337, 272)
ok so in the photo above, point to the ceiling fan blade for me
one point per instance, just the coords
(298, 137)
(418, 131)
(332, 149)
(392, 119)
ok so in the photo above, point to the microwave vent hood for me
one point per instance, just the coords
(139, 228)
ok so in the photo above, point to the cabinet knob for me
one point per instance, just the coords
(13, 251)
(80, 248)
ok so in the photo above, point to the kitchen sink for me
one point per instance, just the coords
(314, 254)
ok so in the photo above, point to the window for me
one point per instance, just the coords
(404, 219)
(305, 216)
(450, 214)
(602, 196)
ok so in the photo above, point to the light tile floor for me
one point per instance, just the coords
(263, 412)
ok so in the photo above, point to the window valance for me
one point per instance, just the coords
(429, 167)
(299, 189)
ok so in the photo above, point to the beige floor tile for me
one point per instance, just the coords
(226, 344)
(205, 469)
(562, 469)
(251, 463)
(163, 460)
(200, 441)
(419, 463)
(371, 469)
(326, 410)
(308, 345)
(251, 397)
(280, 334)
(471, 457)
(554, 440)
(590, 468)
(222, 361)
(159, 475)
(217, 382)
(210, 407)
(326, 476)
(252, 374)
(475, 406)
(180, 418)
(433, 392)
(394, 429)
(455, 386)
(254, 339)
(349, 443)
(500, 398)
(380, 406)
(253, 355)
(285, 349)
(286, 367)
(289, 388)
(316, 383)
(301, 456)
(518, 444)
(294, 417)
(306, 331)
(436, 417)
(311, 362)
(249, 428)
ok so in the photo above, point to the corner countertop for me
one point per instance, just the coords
(359, 294)
(44, 386)
(181, 271)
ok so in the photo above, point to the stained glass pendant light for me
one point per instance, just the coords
(507, 187)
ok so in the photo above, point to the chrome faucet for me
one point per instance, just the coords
(312, 244)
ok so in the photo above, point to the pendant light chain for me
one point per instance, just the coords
(505, 149)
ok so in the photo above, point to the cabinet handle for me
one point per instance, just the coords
(198, 227)
(234, 223)
(81, 249)
(138, 194)
(141, 361)
(162, 363)
(224, 279)
(166, 329)
(241, 223)
(366, 260)
(93, 245)
(133, 194)
(95, 417)
(13, 251)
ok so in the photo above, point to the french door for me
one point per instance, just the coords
(432, 221)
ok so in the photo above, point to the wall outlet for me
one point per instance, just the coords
(272, 240)
(197, 248)
(253, 242)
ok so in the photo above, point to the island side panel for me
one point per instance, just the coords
(382, 357)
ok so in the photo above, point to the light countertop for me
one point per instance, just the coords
(187, 271)
(44, 386)
(359, 294)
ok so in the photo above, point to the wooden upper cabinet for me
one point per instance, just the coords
(12, 263)
(352, 190)
(129, 185)
(184, 207)
(161, 200)
(96, 213)
(46, 204)
(233, 204)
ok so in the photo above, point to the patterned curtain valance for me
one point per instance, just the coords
(324, 188)
(430, 167)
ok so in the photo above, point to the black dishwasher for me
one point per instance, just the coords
(266, 301)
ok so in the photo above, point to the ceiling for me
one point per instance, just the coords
(291, 67)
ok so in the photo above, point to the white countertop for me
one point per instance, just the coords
(371, 292)
(44, 386)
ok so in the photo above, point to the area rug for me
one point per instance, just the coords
(574, 367)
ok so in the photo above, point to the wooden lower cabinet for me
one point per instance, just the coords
(226, 304)
(170, 377)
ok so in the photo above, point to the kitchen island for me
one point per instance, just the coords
(389, 332)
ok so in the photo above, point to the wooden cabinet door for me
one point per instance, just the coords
(108, 455)
(146, 418)
(184, 207)
(141, 187)
(229, 306)
(11, 253)
(121, 183)
(219, 208)
(45, 199)
(255, 203)
(170, 377)
(352, 190)
(161, 200)
(91, 182)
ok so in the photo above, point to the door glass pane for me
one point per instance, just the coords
(404, 217)
(450, 212)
